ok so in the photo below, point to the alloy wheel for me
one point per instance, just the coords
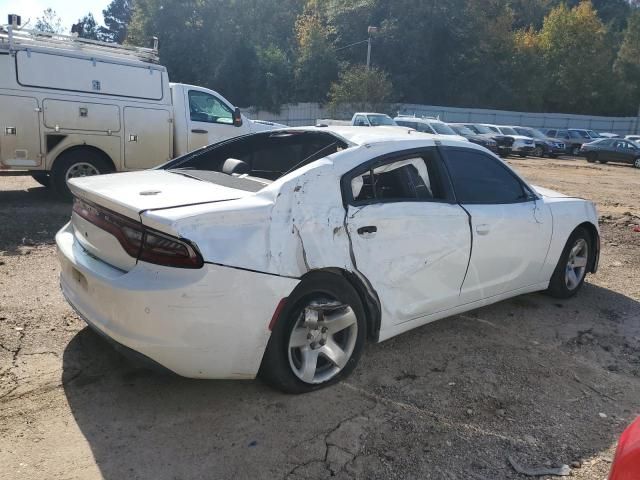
(576, 264)
(636, 162)
(322, 340)
(81, 169)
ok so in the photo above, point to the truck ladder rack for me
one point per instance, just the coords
(15, 39)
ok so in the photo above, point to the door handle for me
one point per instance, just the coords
(482, 229)
(198, 130)
(367, 230)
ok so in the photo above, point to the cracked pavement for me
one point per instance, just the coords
(543, 381)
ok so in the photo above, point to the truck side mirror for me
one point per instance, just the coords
(237, 118)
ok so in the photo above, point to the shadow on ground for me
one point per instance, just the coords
(527, 377)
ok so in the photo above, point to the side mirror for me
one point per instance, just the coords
(237, 118)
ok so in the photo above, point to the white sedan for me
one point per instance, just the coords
(281, 253)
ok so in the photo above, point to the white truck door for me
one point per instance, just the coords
(148, 139)
(20, 144)
(408, 240)
(209, 119)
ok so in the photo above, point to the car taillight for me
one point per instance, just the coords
(140, 242)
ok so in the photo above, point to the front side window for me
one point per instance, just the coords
(409, 179)
(442, 128)
(204, 107)
(360, 122)
(480, 179)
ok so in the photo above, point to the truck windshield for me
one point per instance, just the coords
(377, 120)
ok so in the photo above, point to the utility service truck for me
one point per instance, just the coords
(71, 107)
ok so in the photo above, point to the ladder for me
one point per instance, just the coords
(13, 39)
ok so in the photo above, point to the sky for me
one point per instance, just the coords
(69, 10)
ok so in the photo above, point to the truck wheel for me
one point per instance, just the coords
(318, 337)
(42, 178)
(77, 163)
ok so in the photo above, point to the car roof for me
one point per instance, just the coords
(369, 135)
(416, 119)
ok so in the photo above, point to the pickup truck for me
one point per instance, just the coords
(362, 119)
(72, 107)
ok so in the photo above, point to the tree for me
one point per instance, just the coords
(49, 22)
(361, 89)
(117, 16)
(275, 78)
(627, 65)
(86, 27)
(316, 65)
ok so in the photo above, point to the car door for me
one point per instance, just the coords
(210, 120)
(629, 152)
(408, 237)
(511, 227)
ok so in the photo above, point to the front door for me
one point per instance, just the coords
(210, 119)
(511, 227)
(408, 237)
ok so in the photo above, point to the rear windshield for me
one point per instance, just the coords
(259, 158)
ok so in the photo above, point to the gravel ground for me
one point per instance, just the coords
(542, 381)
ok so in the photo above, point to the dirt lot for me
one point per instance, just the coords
(547, 382)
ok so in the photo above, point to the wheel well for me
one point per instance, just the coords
(595, 242)
(367, 294)
(77, 148)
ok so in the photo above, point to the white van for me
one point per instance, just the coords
(72, 107)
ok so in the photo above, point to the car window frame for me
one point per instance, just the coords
(441, 176)
(532, 196)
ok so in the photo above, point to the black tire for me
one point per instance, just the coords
(522, 155)
(575, 150)
(636, 162)
(42, 178)
(558, 285)
(538, 152)
(603, 161)
(276, 368)
(592, 157)
(553, 155)
(73, 158)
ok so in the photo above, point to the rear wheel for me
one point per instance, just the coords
(636, 162)
(538, 152)
(318, 337)
(575, 150)
(78, 163)
(42, 178)
(571, 269)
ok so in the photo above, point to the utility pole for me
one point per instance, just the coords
(371, 30)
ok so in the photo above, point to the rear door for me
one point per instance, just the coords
(408, 237)
(20, 132)
(209, 119)
(511, 227)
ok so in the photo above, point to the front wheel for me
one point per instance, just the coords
(318, 337)
(575, 150)
(538, 152)
(636, 162)
(571, 269)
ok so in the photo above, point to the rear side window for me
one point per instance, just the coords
(480, 179)
(410, 179)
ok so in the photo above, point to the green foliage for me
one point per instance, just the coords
(361, 88)
(569, 56)
(88, 28)
(49, 22)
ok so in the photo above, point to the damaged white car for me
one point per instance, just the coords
(281, 253)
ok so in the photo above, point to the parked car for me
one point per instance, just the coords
(73, 107)
(626, 463)
(361, 119)
(522, 145)
(608, 135)
(505, 143)
(432, 126)
(484, 140)
(633, 138)
(548, 146)
(281, 253)
(573, 139)
(612, 150)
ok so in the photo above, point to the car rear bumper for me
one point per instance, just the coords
(202, 323)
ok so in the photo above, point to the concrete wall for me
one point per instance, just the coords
(307, 114)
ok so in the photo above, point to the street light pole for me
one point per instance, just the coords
(370, 30)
